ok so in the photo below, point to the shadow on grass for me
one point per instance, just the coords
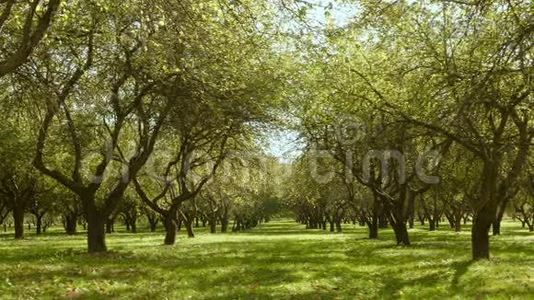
(276, 260)
(460, 268)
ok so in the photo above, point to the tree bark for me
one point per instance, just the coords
(18, 219)
(224, 225)
(458, 225)
(485, 215)
(422, 220)
(153, 227)
(432, 224)
(496, 226)
(401, 233)
(482, 222)
(189, 227)
(96, 233)
(170, 230)
(109, 225)
(133, 225)
(213, 225)
(38, 225)
(70, 224)
(338, 226)
(152, 222)
(480, 240)
(382, 221)
(373, 228)
(373, 231)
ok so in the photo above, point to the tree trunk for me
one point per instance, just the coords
(457, 218)
(480, 240)
(179, 223)
(422, 220)
(237, 225)
(70, 224)
(109, 225)
(224, 225)
(496, 226)
(458, 225)
(432, 224)
(189, 227)
(479, 233)
(450, 220)
(152, 223)
(373, 231)
(170, 231)
(401, 234)
(373, 227)
(133, 225)
(338, 226)
(38, 224)
(332, 227)
(96, 233)
(18, 219)
(382, 221)
(213, 225)
(486, 215)
(498, 218)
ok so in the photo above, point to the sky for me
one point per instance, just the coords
(341, 13)
(285, 144)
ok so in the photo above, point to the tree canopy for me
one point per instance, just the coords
(402, 110)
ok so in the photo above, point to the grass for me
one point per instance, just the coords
(278, 260)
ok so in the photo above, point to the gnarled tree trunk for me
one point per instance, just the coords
(170, 229)
(70, 222)
(96, 232)
(18, 219)
(38, 225)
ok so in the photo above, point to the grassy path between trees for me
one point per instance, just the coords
(279, 260)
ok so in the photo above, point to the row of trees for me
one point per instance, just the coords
(408, 90)
(217, 206)
(330, 204)
(132, 100)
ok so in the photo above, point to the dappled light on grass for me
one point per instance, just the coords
(276, 260)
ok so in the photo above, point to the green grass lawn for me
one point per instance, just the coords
(279, 260)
